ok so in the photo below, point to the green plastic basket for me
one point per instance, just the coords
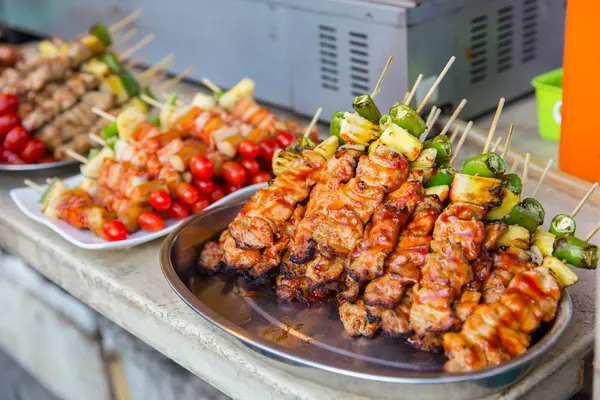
(548, 92)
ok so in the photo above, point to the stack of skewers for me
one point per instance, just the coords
(378, 216)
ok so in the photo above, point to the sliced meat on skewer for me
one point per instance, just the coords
(506, 264)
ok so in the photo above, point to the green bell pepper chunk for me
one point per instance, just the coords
(443, 146)
(113, 62)
(443, 176)
(365, 107)
(384, 122)
(155, 121)
(93, 153)
(111, 141)
(535, 207)
(336, 125)
(172, 100)
(109, 131)
(576, 252)
(563, 225)
(218, 95)
(130, 84)
(513, 183)
(521, 216)
(408, 119)
(47, 191)
(102, 34)
(488, 165)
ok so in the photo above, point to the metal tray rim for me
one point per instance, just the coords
(38, 167)
(561, 322)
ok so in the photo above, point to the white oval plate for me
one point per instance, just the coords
(27, 200)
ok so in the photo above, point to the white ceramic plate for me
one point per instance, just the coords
(27, 200)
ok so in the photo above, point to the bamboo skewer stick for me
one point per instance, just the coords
(592, 233)
(430, 116)
(408, 98)
(539, 184)
(134, 62)
(138, 46)
(154, 102)
(163, 87)
(125, 21)
(431, 124)
(163, 63)
(382, 77)
(514, 166)
(454, 133)
(511, 129)
(525, 171)
(463, 137)
(453, 117)
(97, 139)
(313, 122)
(404, 99)
(494, 125)
(211, 85)
(128, 35)
(436, 84)
(33, 185)
(178, 102)
(103, 114)
(76, 156)
(496, 144)
(584, 200)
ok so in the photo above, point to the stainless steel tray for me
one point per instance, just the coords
(38, 167)
(313, 336)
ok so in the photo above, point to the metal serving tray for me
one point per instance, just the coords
(314, 336)
(38, 167)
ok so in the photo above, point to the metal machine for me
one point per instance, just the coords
(309, 53)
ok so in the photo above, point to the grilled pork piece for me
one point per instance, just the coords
(506, 264)
(501, 330)
(357, 321)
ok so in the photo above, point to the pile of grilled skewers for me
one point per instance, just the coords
(171, 165)
(406, 243)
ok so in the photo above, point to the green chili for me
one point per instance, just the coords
(109, 131)
(408, 119)
(130, 84)
(513, 183)
(47, 191)
(93, 153)
(365, 107)
(519, 215)
(443, 176)
(102, 34)
(111, 141)
(576, 252)
(563, 225)
(155, 120)
(535, 207)
(336, 125)
(384, 122)
(113, 62)
(172, 100)
(488, 165)
(443, 146)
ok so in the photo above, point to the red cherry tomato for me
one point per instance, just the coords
(261, 177)
(216, 195)
(230, 188)
(267, 148)
(48, 158)
(200, 205)
(204, 185)
(151, 221)
(8, 122)
(233, 173)
(9, 103)
(284, 139)
(201, 166)
(248, 149)
(178, 210)
(160, 200)
(33, 151)
(115, 230)
(251, 166)
(2, 153)
(187, 193)
(16, 139)
(12, 158)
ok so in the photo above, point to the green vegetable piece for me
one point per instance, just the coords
(488, 165)
(113, 62)
(443, 146)
(146, 90)
(172, 100)
(102, 34)
(563, 225)
(443, 176)
(576, 252)
(93, 153)
(47, 191)
(302, 144)
(513, 183)
(535, 207)
(365, 107)
(109, 131)
(111, 141)
(130, 84)
(155, 121)
(336, 125)
(408, 119)
(218, 95)
(384, 122)
(519, 215)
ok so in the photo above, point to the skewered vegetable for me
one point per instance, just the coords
(521, 216)
(535, 207)
(563, 225)
(576, 252)
(513, 183)
(443, 176)
(406, 118)
(544, 241)
(359, 130)
(366, 108)
(443, 147)
(509, 200)
(487, 165)
(516, 236)
(102, 33)
(476, 189)
(401, 140)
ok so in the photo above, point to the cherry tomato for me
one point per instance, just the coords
(284, 139)
(233, 173)
(16, 139)
(251, 166)
(230, 188)
(261, 177)
(12, 158)
(151, 221)
(248, 149)
(33, 150)
(205, 186)
(201, 166)
(178, 210)
(9, 103)
(187, 193)
(2, 153)
(8, 122)
(160, 200)
(267, 148)
(48, 158)
(115, 230)
(216, 195)
(200, 205)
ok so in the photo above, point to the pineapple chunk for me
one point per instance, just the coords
(113, 84)
(93, 43)
(243, 89)
(282, 161)
(564, 275)
(476, 189)
(127, 122)
(47, 48)
(402, 141)
(92, 168)
(97, 68)
(359, 130)
(509, 200)
(139, 104)
(441, 192)
(516, 236)
(58, 189)
(203, 101)
(89, 185)
(425, 160)
(327, 147)
(544, 241)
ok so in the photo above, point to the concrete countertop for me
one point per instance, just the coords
(127, 286)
